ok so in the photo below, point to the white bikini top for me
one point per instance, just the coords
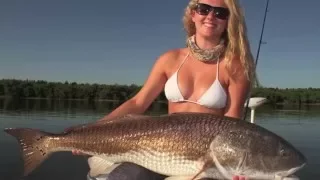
(214, 97)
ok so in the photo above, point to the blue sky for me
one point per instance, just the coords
(118, 41)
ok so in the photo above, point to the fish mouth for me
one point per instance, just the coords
(288, 174)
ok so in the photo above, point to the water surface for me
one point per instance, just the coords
(299, 125)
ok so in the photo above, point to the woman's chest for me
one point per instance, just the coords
(194, 79)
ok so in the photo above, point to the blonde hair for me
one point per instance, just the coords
(235, 35)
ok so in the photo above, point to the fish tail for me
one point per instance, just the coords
(34, 146)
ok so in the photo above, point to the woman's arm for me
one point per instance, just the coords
(238, 91)
(149, 92)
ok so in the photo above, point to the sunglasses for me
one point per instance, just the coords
(205, 9)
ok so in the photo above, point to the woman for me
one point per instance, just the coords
(212, 74)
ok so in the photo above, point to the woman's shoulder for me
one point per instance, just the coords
(173, 56)
(169, 60)
(234, 71)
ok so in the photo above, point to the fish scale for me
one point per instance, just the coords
(157, 135)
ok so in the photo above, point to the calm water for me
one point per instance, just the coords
(299, 126)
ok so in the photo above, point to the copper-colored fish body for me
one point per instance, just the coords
(181, 144)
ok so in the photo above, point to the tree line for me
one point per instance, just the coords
(92, 92)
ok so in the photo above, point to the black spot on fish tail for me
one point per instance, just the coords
(33, 146)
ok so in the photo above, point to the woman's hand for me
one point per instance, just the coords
(239, 178)
(76, 152)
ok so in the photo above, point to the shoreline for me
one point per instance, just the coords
(111, 100)
(50, 99)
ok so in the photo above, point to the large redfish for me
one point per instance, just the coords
(180, 145)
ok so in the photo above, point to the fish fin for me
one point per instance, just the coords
(99, 166)
(127, 117)
(242, 162)
(33, 146)
(130, 117)
(291, 178)
(178, 178)
(221, 169)
(206, 165)
(100, 123)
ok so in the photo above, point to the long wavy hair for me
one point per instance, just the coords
(237, 43)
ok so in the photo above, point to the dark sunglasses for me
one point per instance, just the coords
(205, 9)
